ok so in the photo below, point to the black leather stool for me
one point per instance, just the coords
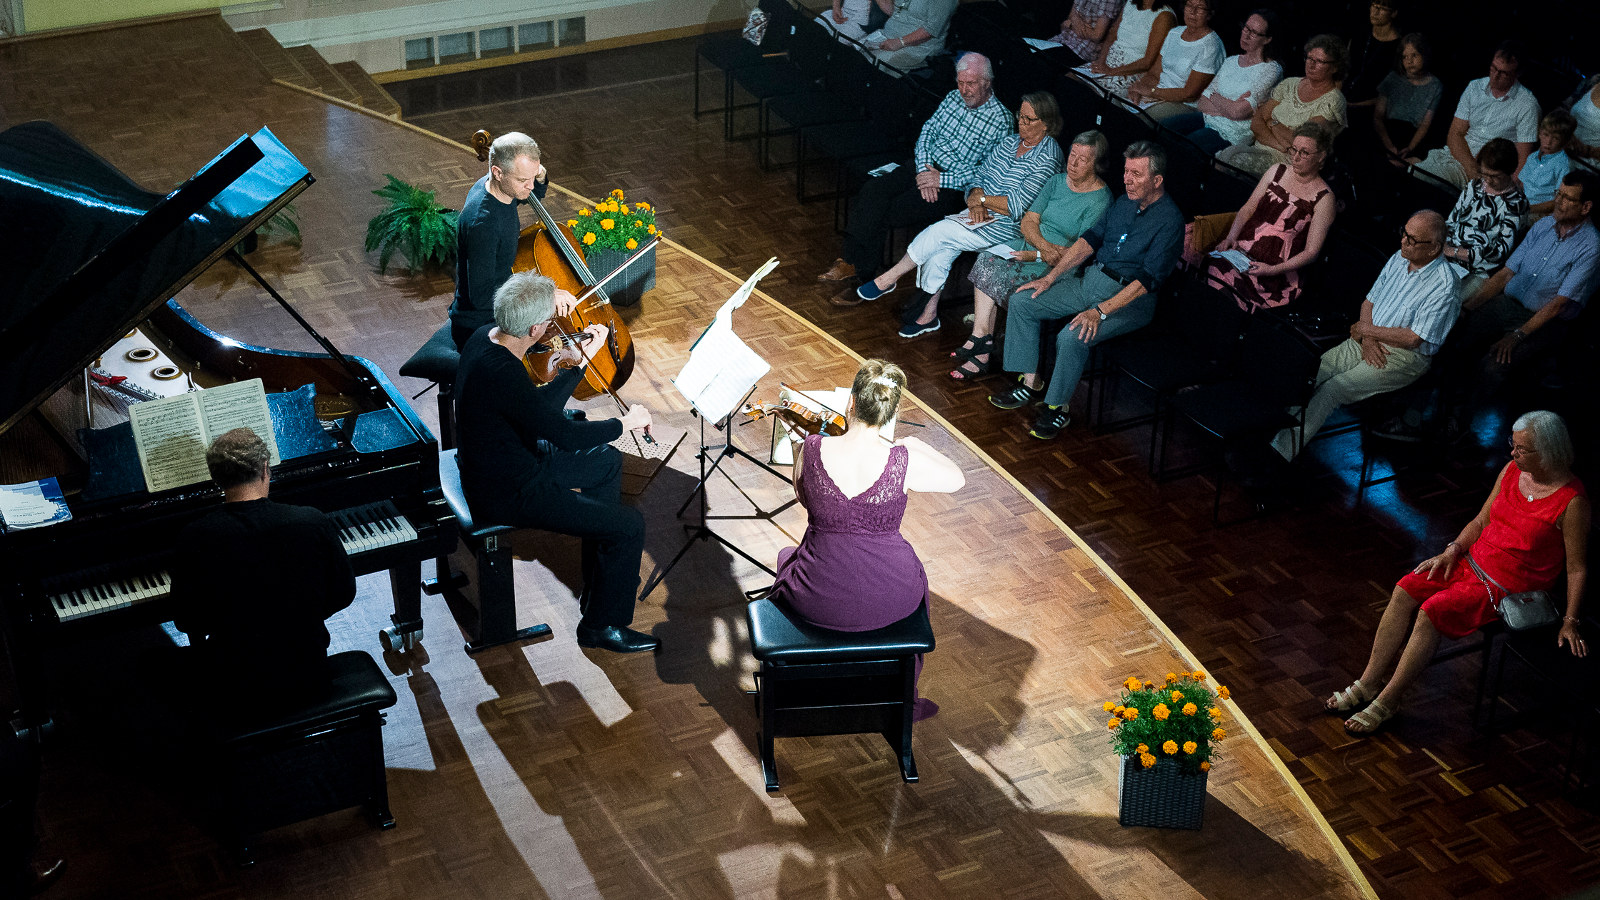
(273, 769)
(816, 680)
(490, 546)
(436, 361)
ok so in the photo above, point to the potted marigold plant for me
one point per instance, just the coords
(1167, 735)
(609, 234)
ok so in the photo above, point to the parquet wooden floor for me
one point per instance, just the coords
(547, 771)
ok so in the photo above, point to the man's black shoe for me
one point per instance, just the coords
(617, 639)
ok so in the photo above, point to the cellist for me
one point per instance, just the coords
(487, 230)
(525, 463)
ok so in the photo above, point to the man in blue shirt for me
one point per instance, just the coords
(1136, 243)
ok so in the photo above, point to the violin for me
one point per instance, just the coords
(549, 248)
(799, 417)
(546, 360)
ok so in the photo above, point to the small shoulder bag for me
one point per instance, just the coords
(1522, 611)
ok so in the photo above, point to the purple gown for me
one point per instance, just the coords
(852, 571)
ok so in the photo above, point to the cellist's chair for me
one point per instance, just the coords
(436, 361)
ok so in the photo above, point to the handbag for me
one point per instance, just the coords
(1204, 234)
(755, 26)
(1522, 611)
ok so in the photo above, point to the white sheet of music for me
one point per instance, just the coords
(172, 434)
(721, 367)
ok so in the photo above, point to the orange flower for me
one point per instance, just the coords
(1113, 724)
(1223, 692)
(1190, 709)
(1169, 748)
(1142, 748)
(608, 224)
(1216, 714)
(1146, 760)
(1205, 767)
(1172, 677)
(1190, 746)
(651, 229)
(1132, 683)
(1109, 706)
(1218, 734)
(572, 223)
(1130, 714)
(1161, 712)
(583, 212)
(641, 205)
(1149, 685)
(623, 208)
(638, 223)
(1176, 696)
(617, 193)
(632, 244)
(1199, 676)
(588, 238)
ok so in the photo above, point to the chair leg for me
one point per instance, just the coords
(497, 600)
(764, 737)
(901, 742)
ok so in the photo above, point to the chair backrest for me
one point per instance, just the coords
(1225, 189)
(1278, 360)
(1080, 105)
(1187, 168)
(1122, 126)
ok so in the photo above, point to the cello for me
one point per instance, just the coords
(549, 248)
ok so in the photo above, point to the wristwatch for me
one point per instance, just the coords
(1102, 312)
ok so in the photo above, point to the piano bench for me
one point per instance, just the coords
(494, 581)
(270, 770)
(815, 680)
(436, 360)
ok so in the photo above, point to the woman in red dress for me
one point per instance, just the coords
(1535, 522)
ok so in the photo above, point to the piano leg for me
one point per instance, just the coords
(446, 578)
(407, 618)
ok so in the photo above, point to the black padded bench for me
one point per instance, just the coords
(436, 360)
(816, 680)
(273, 769)
(495, 586)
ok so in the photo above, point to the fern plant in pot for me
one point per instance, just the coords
(415, 225)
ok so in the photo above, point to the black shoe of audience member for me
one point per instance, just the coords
(616, 638)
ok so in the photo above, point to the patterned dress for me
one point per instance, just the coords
(1276, 231)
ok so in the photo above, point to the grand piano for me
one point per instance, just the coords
(88, 327)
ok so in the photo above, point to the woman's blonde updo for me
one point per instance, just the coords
(877, 391)
(236, 458)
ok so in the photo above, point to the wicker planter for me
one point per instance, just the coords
(1162, 797)
(627, 288)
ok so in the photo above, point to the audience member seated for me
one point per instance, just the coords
(1534, 525)
(1221, 117)
(1281, 227)
(1064, 210)
(1520, 315)
(1135, 245)
(953, 143)
(1404, 320)
(914, 32)
(1407, 101)
(1374, 55)
(254, 568)
(1483, 225)
(1496, 105)
(1134, 44)
(1545, 168)
(1190, 59)
(1295, 101)
(1001, 192)
(1086, 28)
(850, 17)
(1584, 104)
(853, 571)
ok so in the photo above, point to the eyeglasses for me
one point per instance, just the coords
(1301, 152)
(1520, 451)
(1497, 69)
(1318, 60)
(1407, 239)
(1029, 120)
(1259, 34)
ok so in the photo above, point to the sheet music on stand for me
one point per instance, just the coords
(722, 368)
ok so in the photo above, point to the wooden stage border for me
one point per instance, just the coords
(1352, 869)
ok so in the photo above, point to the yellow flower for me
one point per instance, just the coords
(572, 223)
(1130, 714)
(1171, 677)
(1149, 685)
(617, 192)
(1109, 706)
(1218, 734)
(1142, 748)
(1199, 676)
(632, 244)
(1113, 724)
(651, 229)
(1132, 683)
(583, 212)
(642, 205)
(1161, 712)
(1169, 748)
(1146, 760)
(608, 224)
(1205, 767)
(1223, 692)
(1176, 696)
(1216, 714)
(588, 238)
(1190, 746)
(1190, 709)
(638, 223)
(623, 209)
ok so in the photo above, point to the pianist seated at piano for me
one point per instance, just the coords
(527, 464)
(254, 581)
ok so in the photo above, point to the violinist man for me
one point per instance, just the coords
(525, 463)
(487, 230)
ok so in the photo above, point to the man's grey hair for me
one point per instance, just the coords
(507, 147)
(1550, 438)
(976, 63)
(1148, 150)
(525, 300)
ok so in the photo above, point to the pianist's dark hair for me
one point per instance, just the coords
(507, 147)
(525, 300)
(877, 391)
(236, 458)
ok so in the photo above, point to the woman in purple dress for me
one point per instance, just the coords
(853, 571)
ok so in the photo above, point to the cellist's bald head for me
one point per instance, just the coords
(525, 301)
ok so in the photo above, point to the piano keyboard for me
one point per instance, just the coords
(361, 529)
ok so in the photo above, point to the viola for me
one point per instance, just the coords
(546, 360)
(800, 417)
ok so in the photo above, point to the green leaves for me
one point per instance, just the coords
(415, 225)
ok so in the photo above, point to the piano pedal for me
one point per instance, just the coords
(448, 580)
(401, 636)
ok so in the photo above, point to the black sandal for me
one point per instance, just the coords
(973, 347)
(985, 347)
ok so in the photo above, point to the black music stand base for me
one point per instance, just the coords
(521, 634)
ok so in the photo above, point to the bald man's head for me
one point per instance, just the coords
(1422, 239)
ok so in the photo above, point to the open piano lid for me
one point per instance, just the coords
(87, 254)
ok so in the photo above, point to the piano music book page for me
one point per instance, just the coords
(32, 505)
(172, 434)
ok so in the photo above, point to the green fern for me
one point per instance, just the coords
(415, 225)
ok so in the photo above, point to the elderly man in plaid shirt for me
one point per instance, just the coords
(952, 146)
